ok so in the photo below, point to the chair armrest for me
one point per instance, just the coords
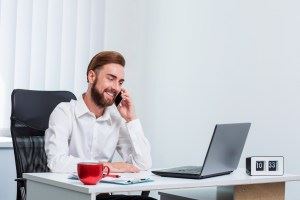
(21, 181)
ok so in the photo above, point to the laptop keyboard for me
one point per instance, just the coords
(187, 170)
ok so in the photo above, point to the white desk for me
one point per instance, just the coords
(48, 186)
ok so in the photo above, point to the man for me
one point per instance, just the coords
(92, 128)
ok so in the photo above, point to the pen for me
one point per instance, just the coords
(139, 180)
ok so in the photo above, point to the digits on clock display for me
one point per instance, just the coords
(260, 165)
(273, 165)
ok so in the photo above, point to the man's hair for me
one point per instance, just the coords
(103, 58)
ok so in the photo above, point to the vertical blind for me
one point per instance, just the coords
(47, 45)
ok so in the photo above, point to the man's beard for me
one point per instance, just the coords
(99, 98)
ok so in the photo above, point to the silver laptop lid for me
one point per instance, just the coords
(225, 148)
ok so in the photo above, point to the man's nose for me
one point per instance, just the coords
(117, 87)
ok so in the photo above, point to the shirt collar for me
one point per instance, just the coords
(81, 109)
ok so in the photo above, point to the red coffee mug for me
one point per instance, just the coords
(90, 173)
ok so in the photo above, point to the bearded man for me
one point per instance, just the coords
(92, 128)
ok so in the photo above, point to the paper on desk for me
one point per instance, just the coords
(124, 179)
(74, 176)
(128, 179)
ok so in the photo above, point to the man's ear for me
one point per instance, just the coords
(91, 76)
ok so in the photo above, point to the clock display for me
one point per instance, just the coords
(260, 165)
(273, 165)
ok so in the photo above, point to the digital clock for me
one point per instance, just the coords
(265, 165)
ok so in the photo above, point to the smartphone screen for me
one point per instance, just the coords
(118, 99)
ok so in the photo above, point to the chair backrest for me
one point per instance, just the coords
(29, 119)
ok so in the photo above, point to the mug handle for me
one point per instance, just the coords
(108, 171)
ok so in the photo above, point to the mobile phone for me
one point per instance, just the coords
(118, 99)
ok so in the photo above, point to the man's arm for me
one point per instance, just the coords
(57, 141)
(133, 146)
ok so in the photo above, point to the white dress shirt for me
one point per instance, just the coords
(76, 135)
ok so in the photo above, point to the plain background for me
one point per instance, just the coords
(192, 64)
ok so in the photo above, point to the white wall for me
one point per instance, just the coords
(8, 175)
(124, 32)
(192, 64)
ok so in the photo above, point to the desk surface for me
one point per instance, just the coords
(238, 177)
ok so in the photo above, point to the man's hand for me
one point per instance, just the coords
(126, 107)
(118, 167)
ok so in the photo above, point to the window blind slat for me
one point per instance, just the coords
(53, 49)
(23, 44)
(38, 44)
(97, 23)
(68, 45)
(7, 57)
(82, 45)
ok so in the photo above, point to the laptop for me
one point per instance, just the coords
(223, 155)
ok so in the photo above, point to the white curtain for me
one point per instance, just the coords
(47, 45)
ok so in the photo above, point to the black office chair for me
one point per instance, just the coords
(29, 119)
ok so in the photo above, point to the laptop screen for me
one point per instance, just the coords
(225, 148)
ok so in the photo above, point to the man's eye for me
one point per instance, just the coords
(111, 78)
(121, 83)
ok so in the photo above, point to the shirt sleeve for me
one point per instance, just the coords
(133, 146)
(57, 141)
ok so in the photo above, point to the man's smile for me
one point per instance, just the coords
(110, 94)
